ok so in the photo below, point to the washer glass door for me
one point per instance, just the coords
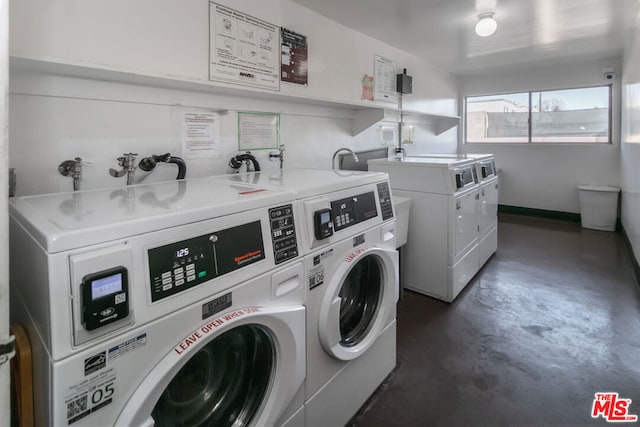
(358, 302)
(223, 384)
(360, 297)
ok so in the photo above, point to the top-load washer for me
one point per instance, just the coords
(171, 303)
(442, 249)
(351, 269)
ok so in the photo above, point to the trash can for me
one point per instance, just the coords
(598, 207)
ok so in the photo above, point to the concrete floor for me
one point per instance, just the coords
(552, 318)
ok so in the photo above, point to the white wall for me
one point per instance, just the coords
(546, 177)
(630, 149)
(54, 118)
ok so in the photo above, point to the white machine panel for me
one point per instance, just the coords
(429, 175)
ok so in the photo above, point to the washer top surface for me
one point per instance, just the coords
(63, 221)
(416, 161)
(308, 182)
(459, 156)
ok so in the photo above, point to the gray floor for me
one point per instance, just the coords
(551, 319)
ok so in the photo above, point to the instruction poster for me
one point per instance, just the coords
(384, 78)
(200, 134)
(242, 49)
(293, 68)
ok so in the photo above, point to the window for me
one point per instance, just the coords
(554, 116)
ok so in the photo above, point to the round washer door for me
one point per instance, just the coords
(243, 375)
(359, 301)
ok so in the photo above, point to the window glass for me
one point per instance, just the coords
(498, 118)
(555, 116)
(574, 115)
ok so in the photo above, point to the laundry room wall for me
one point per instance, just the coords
(630, 148)
(99, 79)
(543, 176)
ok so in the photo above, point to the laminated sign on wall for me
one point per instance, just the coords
(293, 66)
(243, 49)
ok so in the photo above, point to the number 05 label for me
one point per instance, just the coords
(89, 396)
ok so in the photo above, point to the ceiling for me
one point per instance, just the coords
(442, 31)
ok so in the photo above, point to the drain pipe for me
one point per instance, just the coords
(236, 161)
(147, 164)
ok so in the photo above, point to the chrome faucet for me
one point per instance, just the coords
(128, 164)
(400, 152)
(72, 168)
(339, 150)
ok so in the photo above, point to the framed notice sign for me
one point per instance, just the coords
(242, 49)
(258, 131)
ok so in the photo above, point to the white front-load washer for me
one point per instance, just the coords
(177, 303)
(351, 268)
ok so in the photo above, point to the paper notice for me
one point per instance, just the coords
(200, 135)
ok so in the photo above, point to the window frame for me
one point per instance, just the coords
(529, 94)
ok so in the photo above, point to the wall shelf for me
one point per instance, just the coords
(363, 114)
(437, 123)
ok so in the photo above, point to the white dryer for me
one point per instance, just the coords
(487, 177)
(488, 209)
(167, 303)
(351, 268)
(442, 248)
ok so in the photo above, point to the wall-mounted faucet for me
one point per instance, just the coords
(128, 164)
(278, 155)
(72, 168)
(399, 152)
(339, 150)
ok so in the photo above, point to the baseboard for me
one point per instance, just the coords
(565, 216)
(634, 260)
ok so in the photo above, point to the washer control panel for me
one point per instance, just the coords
(386, 204)
(283, 233)
(353, 210)
(178, 266)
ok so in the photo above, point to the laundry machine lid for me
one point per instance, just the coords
(309, 182)
(418, 161)
(63, 221)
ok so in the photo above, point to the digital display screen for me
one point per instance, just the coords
(106, 286)
(182, 252)
(325, 217)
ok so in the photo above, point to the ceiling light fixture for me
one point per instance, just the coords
(486, 24)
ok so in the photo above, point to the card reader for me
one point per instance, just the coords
(323, 221)
(105, 297)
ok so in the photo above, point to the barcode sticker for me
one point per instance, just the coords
(316, 277)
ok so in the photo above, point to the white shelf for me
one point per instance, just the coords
(437, 123)
(363, 119)
(364, 114)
